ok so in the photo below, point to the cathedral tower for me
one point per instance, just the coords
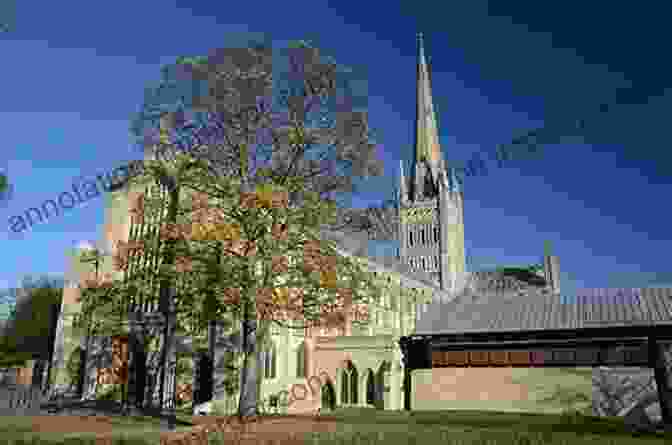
(431, 235)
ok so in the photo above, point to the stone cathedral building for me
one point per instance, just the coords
(347, 365)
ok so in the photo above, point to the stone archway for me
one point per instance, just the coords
(328, 396)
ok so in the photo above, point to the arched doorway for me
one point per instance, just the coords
(370, 388)
(328, 396)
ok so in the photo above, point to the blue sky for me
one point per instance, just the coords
(73, 73)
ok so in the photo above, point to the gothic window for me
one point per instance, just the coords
(370, 388)
(301, 360)
(349, 384)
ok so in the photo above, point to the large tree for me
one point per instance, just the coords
(241, 252)
(302, 121)
(300, 116)
(30, 330)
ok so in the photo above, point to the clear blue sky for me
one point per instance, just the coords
(73, 72)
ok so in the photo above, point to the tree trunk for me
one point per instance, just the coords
(247, 403)
(262, 343)
(166, 298)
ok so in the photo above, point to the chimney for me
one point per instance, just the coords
(552, 272)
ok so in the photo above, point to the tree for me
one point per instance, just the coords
(35, 306)
(230, 256)
(233, 127)
(301, 121)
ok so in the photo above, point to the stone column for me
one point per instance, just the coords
(361, 387)
(338, 384)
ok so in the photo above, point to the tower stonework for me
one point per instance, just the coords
(431, 206)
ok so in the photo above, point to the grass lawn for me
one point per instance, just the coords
(371, 427)
(61, 429)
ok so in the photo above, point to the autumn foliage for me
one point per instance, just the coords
(206, 223)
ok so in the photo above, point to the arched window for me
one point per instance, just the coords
(301, 360)
(370, 388)
(270, 359)
(410, 238)
(422, 235)
(349, 385)
(436, 234)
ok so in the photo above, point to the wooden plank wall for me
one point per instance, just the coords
(588, 356)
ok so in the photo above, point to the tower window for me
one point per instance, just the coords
(436, 234)
(410, 238)
(422, 234)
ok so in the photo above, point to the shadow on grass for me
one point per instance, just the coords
(492, 420)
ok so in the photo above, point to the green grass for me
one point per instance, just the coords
(371, 427)
(20, 430)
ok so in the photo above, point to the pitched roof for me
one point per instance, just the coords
(541, 309)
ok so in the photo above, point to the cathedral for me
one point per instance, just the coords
(351, 365)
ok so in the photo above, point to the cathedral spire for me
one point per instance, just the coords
(426, 130)
(428, 160)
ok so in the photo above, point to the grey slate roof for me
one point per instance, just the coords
(483, 282)
(540, 309)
